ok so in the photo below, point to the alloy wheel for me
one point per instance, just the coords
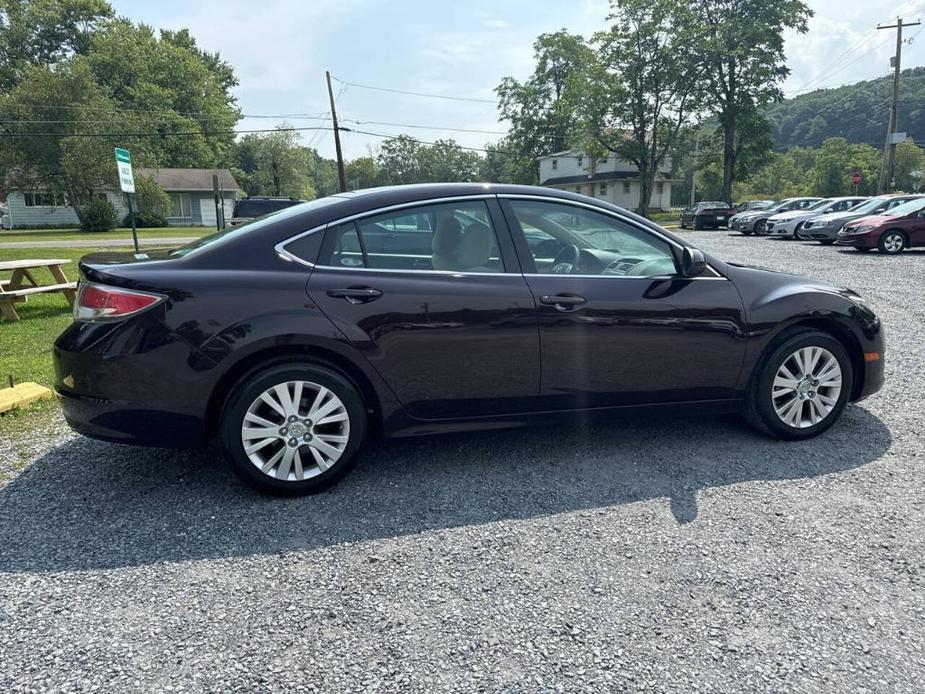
(893, 242)
(295, 430)
(806, 387)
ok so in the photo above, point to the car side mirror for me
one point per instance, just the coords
(692, 262)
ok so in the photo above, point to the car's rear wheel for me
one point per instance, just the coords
(697, 224)
(891, 242)
(760, 227)
(801, 387)
(293, 428)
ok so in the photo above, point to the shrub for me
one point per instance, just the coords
(97, 215)
(152, 204)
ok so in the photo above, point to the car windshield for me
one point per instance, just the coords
(255, 225)
(870, 205)
(819, 205)
(907, 208)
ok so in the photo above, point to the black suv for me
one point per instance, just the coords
(249, 208)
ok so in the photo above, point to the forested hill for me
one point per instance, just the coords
(858, 112)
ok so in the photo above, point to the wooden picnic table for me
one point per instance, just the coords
(22, 282)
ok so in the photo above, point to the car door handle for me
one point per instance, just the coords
(355, 295)
(563, 302)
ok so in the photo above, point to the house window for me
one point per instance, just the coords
(626, 187)
(658, 188)
(555, 164)
(581, 161)
(181, 205)
(603, 189)
(603, 160)
(44, 199)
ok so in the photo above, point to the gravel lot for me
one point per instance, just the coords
(618, 556)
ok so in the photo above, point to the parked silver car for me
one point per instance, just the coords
(790, 223)
(753, 222)
(824, 228)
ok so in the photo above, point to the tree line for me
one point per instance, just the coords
(687, 87)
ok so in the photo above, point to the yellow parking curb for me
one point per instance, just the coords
(23, 394)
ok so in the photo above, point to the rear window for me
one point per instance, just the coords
(251, 227)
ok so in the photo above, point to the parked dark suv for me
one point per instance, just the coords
(420, 309)
(250, 208)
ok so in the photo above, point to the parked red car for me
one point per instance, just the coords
(889, 232)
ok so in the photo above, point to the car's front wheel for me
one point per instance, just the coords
(293, 428)
(801, 387)
(891, 242)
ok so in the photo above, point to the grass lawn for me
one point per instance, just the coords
(662, 217)
(25, 345)
(121, 233)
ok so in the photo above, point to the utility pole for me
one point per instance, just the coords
(694, 168)
(341, 176)
(894, 111)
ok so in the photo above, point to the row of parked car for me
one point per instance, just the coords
(889, 223)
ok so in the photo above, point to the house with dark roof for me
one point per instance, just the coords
(607, 178)
(190, 190)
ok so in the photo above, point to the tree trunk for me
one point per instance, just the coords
(729, 154)
(646, 178)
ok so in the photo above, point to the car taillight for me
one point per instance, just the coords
(99, 302)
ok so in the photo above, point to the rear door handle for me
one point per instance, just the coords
(355, 295)
(563, 302)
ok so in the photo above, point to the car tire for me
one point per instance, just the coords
(774, 415)
(311, 467)
(682, 225)
(796, 231)
(891, 242)
(697, 225)
(760, 227)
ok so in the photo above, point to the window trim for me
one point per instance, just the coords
(280, 249)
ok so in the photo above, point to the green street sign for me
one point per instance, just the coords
(124, 165)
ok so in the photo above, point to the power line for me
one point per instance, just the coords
(425, 127)
(203, 133)
(410, 93)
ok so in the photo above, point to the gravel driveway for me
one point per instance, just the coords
(615, 556)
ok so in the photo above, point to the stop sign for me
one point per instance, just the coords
(856, 178)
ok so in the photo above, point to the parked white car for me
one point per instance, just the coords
(790, 223)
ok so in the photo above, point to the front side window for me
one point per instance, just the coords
(574, 240)
(452, 237)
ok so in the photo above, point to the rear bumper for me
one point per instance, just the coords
(122, 383)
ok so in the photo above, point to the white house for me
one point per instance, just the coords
(608, 178)
(190, 190)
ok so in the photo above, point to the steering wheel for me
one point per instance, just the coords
(566, 261)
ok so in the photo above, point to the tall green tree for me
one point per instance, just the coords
(543, 110)
(740, 48)
(405, 160)
(641, 87)
(41, 33)
(834, 163)
(173, 85)
(362, 172)
(910, 166)
(274, 164)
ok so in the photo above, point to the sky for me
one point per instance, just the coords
(280, 50)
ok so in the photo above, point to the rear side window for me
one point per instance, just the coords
(453, 237)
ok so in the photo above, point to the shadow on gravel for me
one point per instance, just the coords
(89, 504)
